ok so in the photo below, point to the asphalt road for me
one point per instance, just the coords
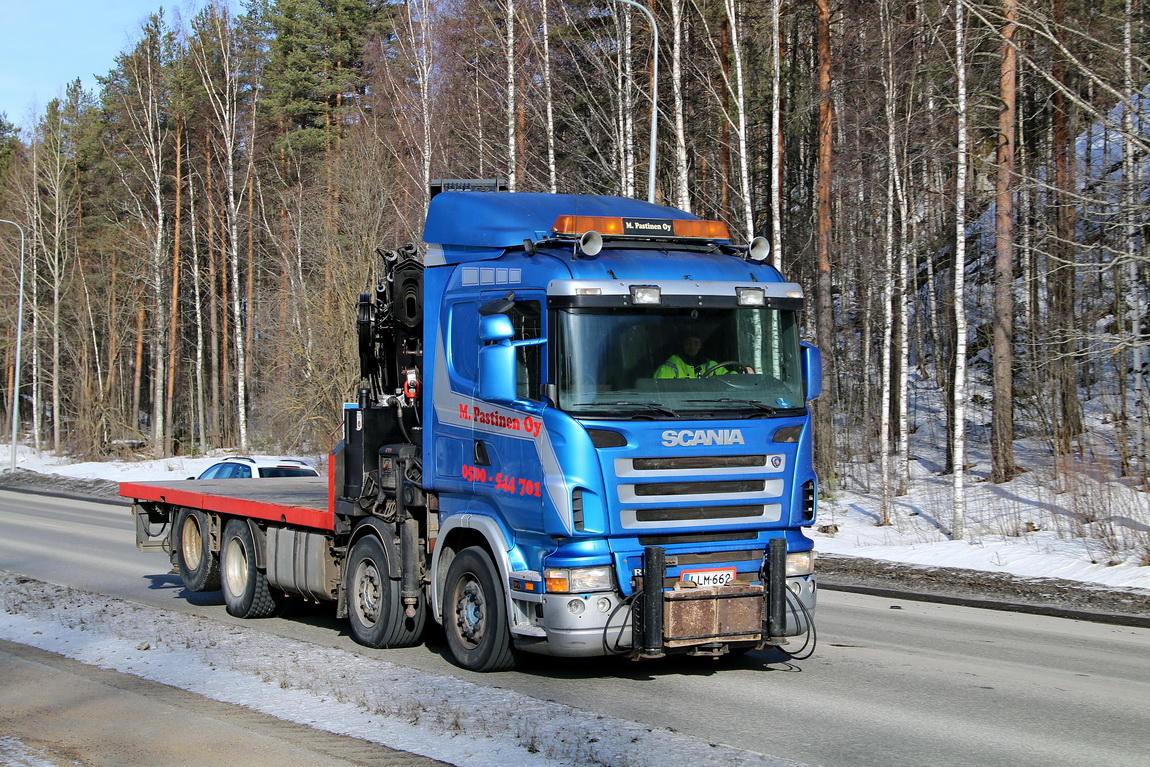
(891, 683)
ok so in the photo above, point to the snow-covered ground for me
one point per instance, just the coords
(434, 715)
(1074, 519)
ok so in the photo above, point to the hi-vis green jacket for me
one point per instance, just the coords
(675, 367)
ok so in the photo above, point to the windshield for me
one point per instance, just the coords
(669, 362)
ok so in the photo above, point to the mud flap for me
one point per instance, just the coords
(152, 525)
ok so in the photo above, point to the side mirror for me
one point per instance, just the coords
(497, 378)
(495, 327)
(812, 363)
(498, 366)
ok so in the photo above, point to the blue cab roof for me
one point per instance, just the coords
(500, 220)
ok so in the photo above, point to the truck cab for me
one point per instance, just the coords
(607, 491)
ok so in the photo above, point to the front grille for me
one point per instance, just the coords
(672, 540)
(711, 557)
(697, 513)
(699, 488)
(699, 462)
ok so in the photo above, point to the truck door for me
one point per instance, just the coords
(486, 450)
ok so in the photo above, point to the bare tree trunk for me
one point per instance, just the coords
(138, 367)
(740, 99)
(825, 453)
(174, 320)
(887, 275)
(958, 437)
(682, 182)
(549, 101)
(1002, 418)
(627, 84)
(215, 312)
(776, 234)
(1139, 455)
(512, 160)
(1068, 411)
(198, 307)
(224, 98)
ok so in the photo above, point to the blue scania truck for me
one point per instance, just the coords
(515, 470)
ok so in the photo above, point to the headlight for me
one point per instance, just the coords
(578, 580)
(800, 563)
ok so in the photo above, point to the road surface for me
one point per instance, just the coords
(891, 683)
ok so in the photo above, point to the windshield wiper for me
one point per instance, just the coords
(653, 407)
(762, 407)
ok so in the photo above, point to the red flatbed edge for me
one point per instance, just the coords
(302, 501)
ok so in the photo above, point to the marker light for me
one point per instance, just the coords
(576, 225)
(617, 226)
(702, 230)
(751, 296)
(647, 295)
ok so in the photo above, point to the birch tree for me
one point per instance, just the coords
(1136, 297)
(681, 185)
(886, 278)
(958, 436)
(776, 138)
(509, 53)
(549, 99)
(139, 92)
(740, 104)
(216, 51)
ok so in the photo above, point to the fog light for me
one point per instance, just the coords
(604, 604)
(576, 607)
(800, 563)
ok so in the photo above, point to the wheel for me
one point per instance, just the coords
(732, 363)
(374, 604)
(246, 592)
(198, 565)
(475, 614)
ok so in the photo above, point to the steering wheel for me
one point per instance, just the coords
(733, 363)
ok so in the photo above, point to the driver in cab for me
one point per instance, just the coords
(690, 362)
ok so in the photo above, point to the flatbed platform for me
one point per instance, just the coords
(304, 501)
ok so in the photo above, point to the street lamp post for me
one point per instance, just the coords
(654, 97)
(19, 343)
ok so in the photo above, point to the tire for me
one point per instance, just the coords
(475, 614)
(197, 564)
(246, 592)
(374, 602)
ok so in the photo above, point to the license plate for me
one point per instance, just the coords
(709, 577)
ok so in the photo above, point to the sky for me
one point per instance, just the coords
(45, 44)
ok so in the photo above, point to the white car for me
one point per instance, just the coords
(246, 468)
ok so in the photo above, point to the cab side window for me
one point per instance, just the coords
(527, 319)
(463, 345)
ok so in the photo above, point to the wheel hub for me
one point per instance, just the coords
(469, 613)
(368, 593)
(192, 545)
(236, 567)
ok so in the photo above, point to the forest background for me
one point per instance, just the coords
(196, 232)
